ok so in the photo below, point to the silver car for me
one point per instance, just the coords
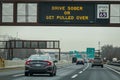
(97, 62)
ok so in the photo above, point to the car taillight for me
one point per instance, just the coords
(27, 62)
(49, 63)
(92, 61)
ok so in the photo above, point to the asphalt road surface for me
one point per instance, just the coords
(69, 72)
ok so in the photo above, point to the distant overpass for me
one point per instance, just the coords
(10, 45)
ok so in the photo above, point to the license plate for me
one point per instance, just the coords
(38, 65)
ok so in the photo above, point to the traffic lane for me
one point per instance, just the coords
(62, 72)
(20, 70)
(75, 74)
(98, 73)
(95, 73)
(6, 72)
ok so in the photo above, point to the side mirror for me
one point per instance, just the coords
(55, 61)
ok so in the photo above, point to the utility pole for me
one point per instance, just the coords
(99, 49)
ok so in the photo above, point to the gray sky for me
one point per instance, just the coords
(71, 38)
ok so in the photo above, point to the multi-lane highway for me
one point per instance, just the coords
(69, 72)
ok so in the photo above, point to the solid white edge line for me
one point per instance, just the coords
(18, 75)
(112, 69)
(74, 76)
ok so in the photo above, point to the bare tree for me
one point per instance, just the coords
(109, 52)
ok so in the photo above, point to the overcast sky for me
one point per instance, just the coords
(71, 38)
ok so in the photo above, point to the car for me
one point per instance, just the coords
(97, 62)
(40, 64)
(80, 61)
(74, 59)
(86, 61)
(90, 60)
(14, 59)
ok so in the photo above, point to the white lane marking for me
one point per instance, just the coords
(113, 70)
(18, 75)
(86, 67)
(80, 72)
(83, 69)
(74, 76)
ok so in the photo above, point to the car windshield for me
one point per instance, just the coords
(80, 59)
(97, 59)
(39, 57)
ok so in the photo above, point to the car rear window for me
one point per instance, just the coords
(39, 57)
(97, 59)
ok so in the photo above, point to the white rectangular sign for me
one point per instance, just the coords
(103, 11)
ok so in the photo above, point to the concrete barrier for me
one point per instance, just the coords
(14, 63)
(62, 63)
(21, 63)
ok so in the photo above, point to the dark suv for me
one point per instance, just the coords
(40, 64)
(97, 62)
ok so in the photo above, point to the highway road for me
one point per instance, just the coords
(67, 72)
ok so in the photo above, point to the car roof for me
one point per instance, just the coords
(40, 56)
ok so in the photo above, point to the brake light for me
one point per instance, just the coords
(27, 62)
(49, 63)
(77, 61)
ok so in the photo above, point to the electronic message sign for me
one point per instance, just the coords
(72, 13)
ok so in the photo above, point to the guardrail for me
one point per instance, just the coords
(114, 67)
(114, 63)
(14, 63)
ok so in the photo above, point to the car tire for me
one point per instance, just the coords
(92, 66)
(26, 74)
(102, 66)
(55, 73)
(51, 74)
(31, 74)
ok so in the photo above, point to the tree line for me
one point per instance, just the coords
(109, 52)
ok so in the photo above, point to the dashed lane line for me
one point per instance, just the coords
(80, 72)
(74, 76)
(86, 67)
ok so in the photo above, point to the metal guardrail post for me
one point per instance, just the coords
(59, 50)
